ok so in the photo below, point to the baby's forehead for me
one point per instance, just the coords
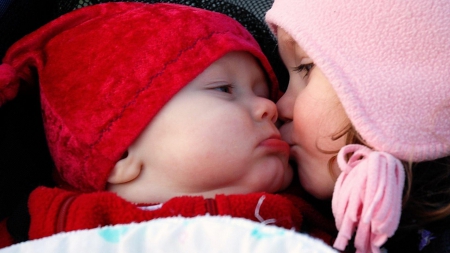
(238, 64)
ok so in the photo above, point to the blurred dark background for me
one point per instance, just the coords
(24, 159)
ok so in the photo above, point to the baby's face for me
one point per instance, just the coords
(217, 135)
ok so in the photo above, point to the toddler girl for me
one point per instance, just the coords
(367, 112)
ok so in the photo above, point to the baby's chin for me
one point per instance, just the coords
(279, 177)
(287, 179)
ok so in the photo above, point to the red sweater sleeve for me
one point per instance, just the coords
(54, 210)
(268, 208)
(5, 238)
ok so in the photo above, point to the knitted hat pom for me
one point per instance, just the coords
(9, 83)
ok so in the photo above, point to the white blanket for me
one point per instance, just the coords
(199, 234)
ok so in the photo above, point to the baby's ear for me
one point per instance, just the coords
(126, 169)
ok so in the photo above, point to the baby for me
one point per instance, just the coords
(150, 111)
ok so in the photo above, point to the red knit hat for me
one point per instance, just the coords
(106, 70)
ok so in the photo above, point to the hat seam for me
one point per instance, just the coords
(148, 85)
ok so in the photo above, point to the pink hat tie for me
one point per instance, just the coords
(371, 201)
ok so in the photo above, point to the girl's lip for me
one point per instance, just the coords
(286, 133)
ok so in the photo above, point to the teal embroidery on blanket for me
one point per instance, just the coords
(259, 234)
(113, 234)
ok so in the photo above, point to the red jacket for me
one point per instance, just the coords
(54, 210)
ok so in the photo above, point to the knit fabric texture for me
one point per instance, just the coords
(70, 211)
(249, 13)
(106, 70)
(388, 62)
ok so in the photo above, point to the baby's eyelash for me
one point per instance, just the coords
(225, 88)
(304, 67)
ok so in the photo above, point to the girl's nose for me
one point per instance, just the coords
(265, 109)
(285, 106)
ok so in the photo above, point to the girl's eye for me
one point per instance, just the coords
(306, 68)
(224, 88)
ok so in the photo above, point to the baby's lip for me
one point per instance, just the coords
(275, 143)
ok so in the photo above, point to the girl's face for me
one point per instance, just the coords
(312, 116)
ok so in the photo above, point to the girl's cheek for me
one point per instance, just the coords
(305, 119)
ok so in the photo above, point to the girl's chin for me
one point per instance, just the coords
(308, 185)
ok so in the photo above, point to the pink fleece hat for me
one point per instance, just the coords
(106, 70)
(389, 63)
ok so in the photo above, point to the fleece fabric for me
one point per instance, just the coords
(387, 62)
(106, 70)
(54, 210)
(5, 238)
